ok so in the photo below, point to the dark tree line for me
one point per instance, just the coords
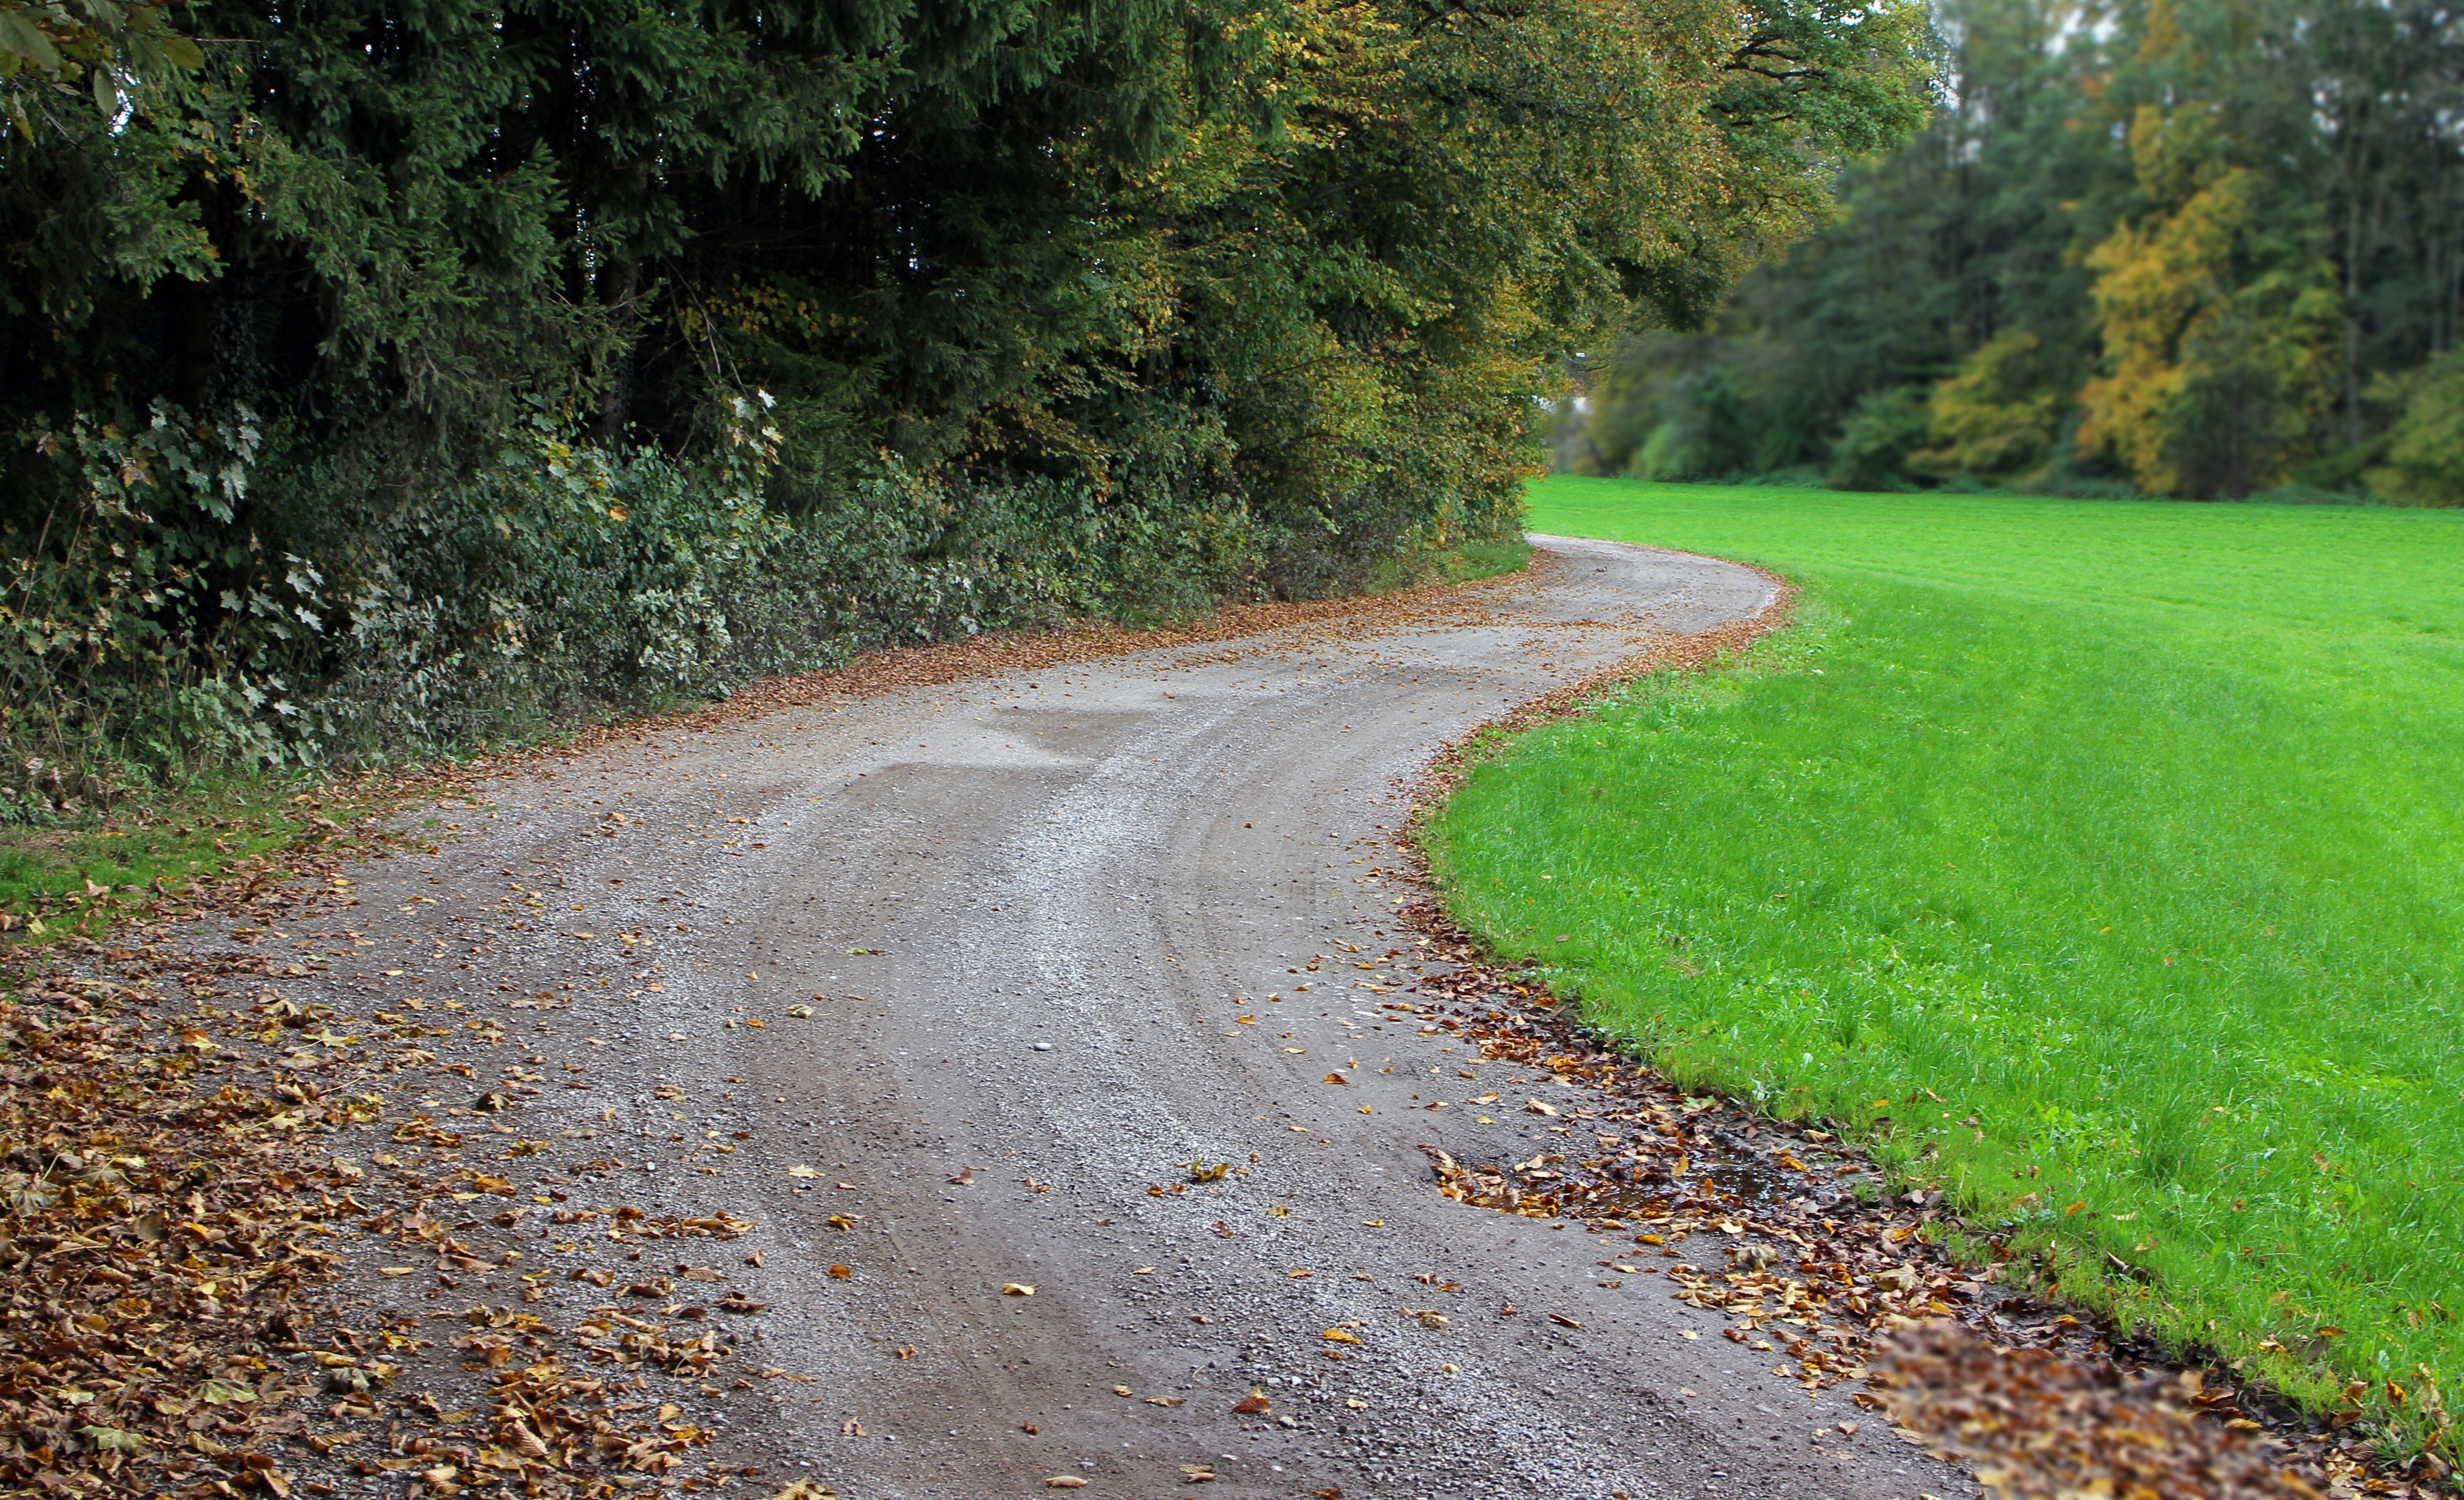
(420, 365)
(2192, 246)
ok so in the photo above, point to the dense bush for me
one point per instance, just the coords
(382, 373)
(557, 579)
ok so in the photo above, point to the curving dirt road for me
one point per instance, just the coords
(1060, 935)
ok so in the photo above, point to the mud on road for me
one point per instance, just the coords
(1015, 1043)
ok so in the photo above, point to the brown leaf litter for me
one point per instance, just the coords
(2037, 1425)
(171, 1206)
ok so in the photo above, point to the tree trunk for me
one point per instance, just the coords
(620, 285)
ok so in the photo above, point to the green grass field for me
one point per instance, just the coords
(2127, 831)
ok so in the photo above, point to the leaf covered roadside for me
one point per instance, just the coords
(2036, 1424)
(1798, 1246)
(167, 1211)
(169, 1206)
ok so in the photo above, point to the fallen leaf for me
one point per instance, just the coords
(802, 1171)
(1563, 1321)
(1254, 1404)
(1167, 1400)
(841, 1273)
(1017, 1289)
(1065, 1482)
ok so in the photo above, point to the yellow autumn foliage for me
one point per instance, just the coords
(2220, 325)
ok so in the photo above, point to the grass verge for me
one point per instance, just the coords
(2098, 858)
(76, 873)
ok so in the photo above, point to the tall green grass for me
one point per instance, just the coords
(2102, 859)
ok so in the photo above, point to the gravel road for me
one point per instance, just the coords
(1061, 934)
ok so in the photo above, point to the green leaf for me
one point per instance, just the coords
(106, 92)
(23, 38)
(183, 52)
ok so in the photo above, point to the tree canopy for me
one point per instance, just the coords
(2184, 247)
(1114, 299)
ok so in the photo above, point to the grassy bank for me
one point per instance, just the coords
(77, 872)
(2106, 854)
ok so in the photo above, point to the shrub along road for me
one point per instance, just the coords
(1062, 979)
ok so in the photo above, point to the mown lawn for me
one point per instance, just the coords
(2101, 859)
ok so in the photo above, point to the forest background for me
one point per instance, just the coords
(2196, 248)
(381, 377)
